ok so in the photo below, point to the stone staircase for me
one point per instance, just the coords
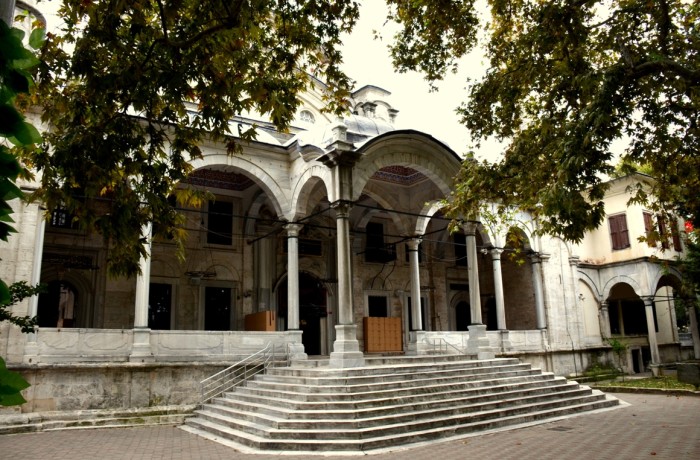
(388, 403)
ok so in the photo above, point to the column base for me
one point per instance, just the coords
(417, 345)
(478, 344)
(346, 348)
(296, 349)
(141, 347)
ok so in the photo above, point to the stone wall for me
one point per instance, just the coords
(71, 387)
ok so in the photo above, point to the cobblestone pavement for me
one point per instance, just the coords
(652, 426)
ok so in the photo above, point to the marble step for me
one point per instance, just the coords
(422, 388)
(338, 387)
(398, 414)
(371, 439)
(282, 407)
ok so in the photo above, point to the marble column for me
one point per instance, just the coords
(541, 319)
(498, 287)
(263, 269)
(141, 347)
(31, 348)
(651, 328)
(296, 349)
(346, 348)
(413, 259)
(473, 272)
(293, 276)
(478, 342)
(604, 321)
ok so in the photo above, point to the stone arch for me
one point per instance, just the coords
(254, 210)
(304, 187)
(429, 210)
(518, 273)
(586, 281)
(460, 311)
(626, 309)
(670, 276)
(278, 196)
(85, 294)
(590, 306)
(407, 148)
(620, 279)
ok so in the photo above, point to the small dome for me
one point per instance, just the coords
(359, 130)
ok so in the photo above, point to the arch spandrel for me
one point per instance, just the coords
(271, 185)
(412, 149)
(621, 279)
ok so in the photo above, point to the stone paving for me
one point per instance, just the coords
(651, 426)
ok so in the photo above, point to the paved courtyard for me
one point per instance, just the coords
(651, 426)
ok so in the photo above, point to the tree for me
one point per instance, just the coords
(567, 78)
(15, 62)
(131, 89)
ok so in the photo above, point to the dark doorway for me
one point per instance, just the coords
(463, 316)
(636, 358)
(57, 306)
(159, 306)
(491, 315)
(312, 310)
(217, 309)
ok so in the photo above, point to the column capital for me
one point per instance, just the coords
(413, 243)
(342, 208)
(574, 260)
(469, 227)
(293, 229)
(535, 258)
(496, 253)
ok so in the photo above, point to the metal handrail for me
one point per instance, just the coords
(236, 374)
(441, 341)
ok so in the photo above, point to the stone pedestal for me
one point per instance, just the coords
(505, 341)
(478, 344)
(346, 348)
(417, 345)
(296, 349)
(141, 347)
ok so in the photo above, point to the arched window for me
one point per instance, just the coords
(307, 117)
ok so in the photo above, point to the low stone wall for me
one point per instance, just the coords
(79, 345)
(112, 386)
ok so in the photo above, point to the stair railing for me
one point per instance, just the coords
(440, 344)
(237, 374)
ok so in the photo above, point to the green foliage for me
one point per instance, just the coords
(619, 349)
(132, 89)
(434, 34)
(13, 294)
(567, 78)
(11, 384)
(15, 63)
(664, 382)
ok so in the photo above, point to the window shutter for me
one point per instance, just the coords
(648, 229)
(618, 232)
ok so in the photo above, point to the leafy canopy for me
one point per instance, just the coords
(16, 62)
(565, 79)
(131, 89)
